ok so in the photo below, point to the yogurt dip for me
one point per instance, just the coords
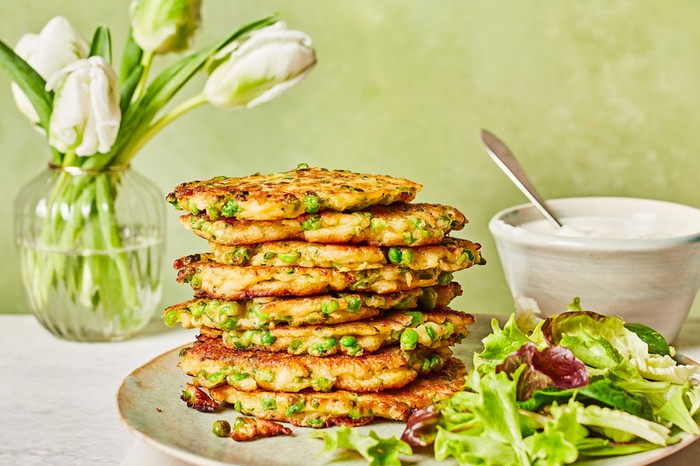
(637, 226)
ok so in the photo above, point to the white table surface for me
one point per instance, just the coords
(58, 399)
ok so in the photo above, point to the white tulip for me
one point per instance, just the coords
(86, 116)
(56, 46)
(162, 26)
(260, 67)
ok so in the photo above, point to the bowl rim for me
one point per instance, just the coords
(501, 229)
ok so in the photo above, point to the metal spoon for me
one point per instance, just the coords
(505, 159)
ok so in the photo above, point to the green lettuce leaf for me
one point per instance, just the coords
(376, 450)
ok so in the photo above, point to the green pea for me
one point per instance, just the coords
(354, 304)
(230, 208)
(409, 339)
(198, 308)
(238, 424)
(171, 318)
(318, 422)
(255, 310)
(295, 407)
(353, 350)
(302, 166)
(429, 298)
(289, 258)
(221, 428)
(194, 210)
(322, 384)
(312, 203)
(266, 376)
(394, 255)
(408, 237)
(295, 345)
(238, 406)
(311, 223)
(330, 343)
(348, 340)
(329, 307)
(431, 332)
(314, 405)
(449, 329)
(269, 255)
(444, 278)
(195, 280)
(239, 256)
(267, 339)
(268, 403)
(416, 317)
(229, 324)
(377, 224)
(237, 376)
(216, 377)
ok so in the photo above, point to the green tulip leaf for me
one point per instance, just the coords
(101, 45)
(31, 83)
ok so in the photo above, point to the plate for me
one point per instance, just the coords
(149, 404)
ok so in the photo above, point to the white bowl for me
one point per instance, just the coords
(645, 268)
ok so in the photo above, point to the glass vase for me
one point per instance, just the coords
(91, 246)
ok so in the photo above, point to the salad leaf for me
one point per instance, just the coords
(376, 450)
(602, 392)
(621, 426)
(499, 344)
(676, 411)
(656, 343)
(421, 426)
(553, 366)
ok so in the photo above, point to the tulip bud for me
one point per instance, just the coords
(56, 46)
(260, 67)
(162, 26)
(86, 115)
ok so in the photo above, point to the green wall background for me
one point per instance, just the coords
(595, 97)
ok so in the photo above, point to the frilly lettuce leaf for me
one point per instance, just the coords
(621, 426)
(376, 450)
(499, 344)
(664, 368)
(676, 410)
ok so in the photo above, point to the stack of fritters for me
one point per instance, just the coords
(324, 297)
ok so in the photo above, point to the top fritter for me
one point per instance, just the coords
(290, 194)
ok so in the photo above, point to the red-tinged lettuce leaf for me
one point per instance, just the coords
(421, 426)
(555, 366)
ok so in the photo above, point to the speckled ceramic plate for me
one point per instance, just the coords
(150, 405)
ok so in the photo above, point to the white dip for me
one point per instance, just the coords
(637, 226)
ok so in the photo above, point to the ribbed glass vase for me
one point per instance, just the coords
(91, 245)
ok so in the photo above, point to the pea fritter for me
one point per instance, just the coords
(336, 308)
(450, 255)
(341, 407)
(398, 224)
(213, 280)
(409, 329)
(290, 194)
(212, 364)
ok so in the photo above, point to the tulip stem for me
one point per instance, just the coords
(126, 154)
(146, 62)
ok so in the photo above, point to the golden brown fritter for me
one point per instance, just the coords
(313, 409)
(212, 364)
(213, 280)
(450, 255)
(411, 329)
(399, 224)
(290, 194)
(336, 308)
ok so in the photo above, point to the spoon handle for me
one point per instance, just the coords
(505, 159)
